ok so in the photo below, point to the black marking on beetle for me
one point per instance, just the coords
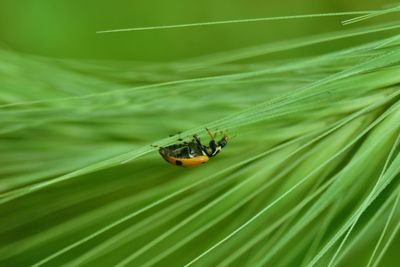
(178, 163)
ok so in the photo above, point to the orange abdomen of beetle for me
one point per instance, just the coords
(184, 162)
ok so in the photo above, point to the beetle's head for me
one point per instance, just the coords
(223, 141)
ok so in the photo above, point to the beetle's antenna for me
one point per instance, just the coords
(231, 137)
(228, 136)
(210, 134)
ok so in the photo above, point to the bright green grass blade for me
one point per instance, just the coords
(240, 21)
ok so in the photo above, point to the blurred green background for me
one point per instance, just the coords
(67, 29)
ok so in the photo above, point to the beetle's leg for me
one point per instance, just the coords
(210, 134)
(197, 140)
(213, 146)
(203, 148)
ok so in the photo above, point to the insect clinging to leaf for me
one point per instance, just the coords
(193, 153)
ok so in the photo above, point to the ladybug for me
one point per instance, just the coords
(193, 153)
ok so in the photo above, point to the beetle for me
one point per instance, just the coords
(193, 153)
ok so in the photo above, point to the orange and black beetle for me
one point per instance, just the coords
(193, 153)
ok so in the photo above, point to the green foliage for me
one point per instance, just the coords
(310, 176)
